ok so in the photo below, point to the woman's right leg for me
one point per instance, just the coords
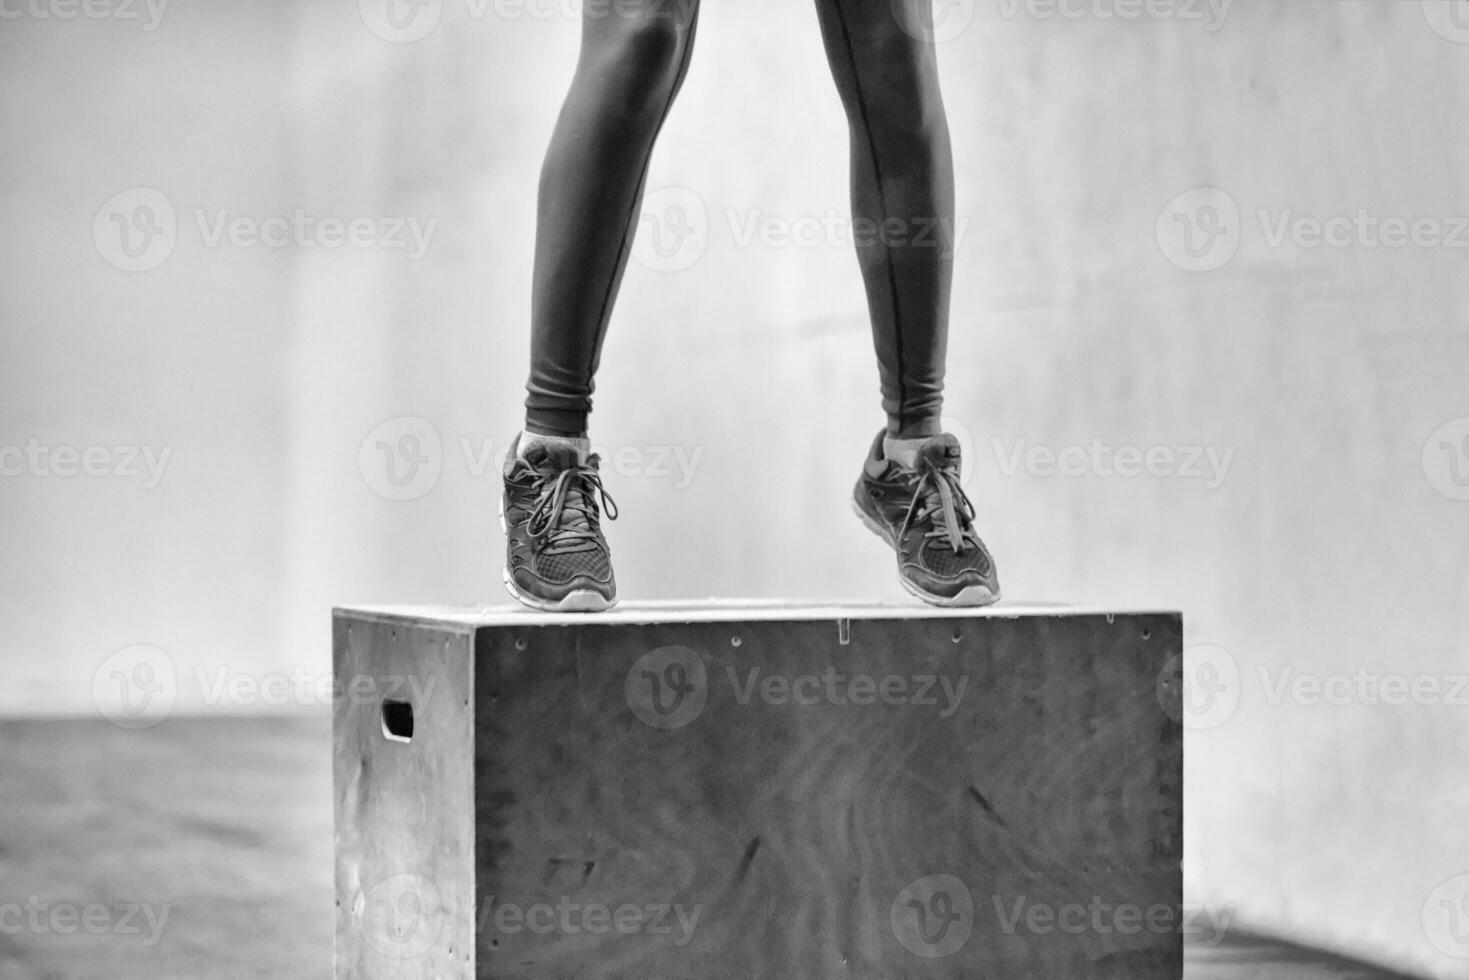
(634, 54)
(633, 57)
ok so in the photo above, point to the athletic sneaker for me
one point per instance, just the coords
(556, 558)
(924, 515)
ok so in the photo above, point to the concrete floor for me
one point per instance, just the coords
(203, 848)
(225, 825)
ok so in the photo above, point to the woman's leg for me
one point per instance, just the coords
(910, 491)
(634, 54)
(902, 196)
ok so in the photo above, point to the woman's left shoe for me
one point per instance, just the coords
(924, 515)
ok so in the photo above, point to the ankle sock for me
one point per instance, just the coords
(904, 452)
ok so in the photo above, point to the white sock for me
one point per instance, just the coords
(581, 444)
(904, 452)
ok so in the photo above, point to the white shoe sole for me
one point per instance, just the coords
(973, 596)
(579, 600)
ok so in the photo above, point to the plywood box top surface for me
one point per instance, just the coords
(724, 610)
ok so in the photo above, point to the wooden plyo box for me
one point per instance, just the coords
(758, 792)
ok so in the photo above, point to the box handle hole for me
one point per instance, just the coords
(398, 721)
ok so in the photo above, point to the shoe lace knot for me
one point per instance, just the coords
(939, 500)
(565, 516)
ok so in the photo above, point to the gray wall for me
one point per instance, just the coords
(1334, 542)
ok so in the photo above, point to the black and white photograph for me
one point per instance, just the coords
(734, 490)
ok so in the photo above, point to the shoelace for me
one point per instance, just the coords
(944, 503)
(565, 514)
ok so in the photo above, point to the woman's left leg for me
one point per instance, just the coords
(910, 492)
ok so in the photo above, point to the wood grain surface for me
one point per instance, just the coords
(1045, 772)
(933, 797)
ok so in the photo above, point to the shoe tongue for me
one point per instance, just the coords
(550, 456)
(942, 452)
(572, 520)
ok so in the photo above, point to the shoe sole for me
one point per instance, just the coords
(578, 600)
(970, 597)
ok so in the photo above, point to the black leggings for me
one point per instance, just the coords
(630, 69)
